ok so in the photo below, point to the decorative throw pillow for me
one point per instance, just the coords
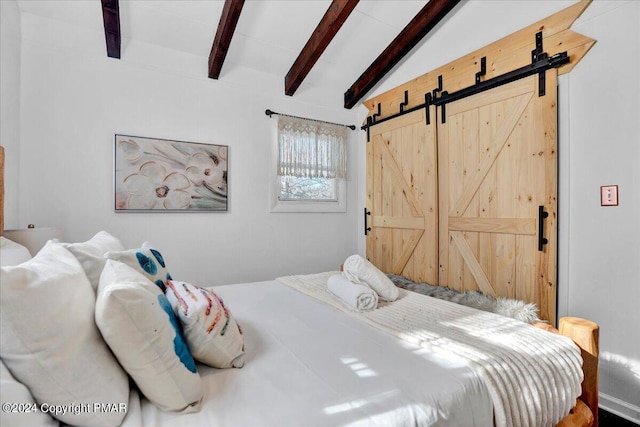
(91, 254)
(23, 411)
(147, 260)
(50, 342)
(212, 333)
(138, 323)
(12, 253)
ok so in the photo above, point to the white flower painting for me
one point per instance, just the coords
(164, 175)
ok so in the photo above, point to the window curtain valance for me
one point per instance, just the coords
(311, 149)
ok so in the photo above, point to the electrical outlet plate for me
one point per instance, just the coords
(609, 195)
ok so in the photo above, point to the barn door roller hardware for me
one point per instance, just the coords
(483, 69)
(540, 63)
(428, 100)
(405, 102)
(536, 55)
(373, 120)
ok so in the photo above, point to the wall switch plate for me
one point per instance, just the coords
(609, 195)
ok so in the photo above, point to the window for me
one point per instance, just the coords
(311, 166)
(318, 189)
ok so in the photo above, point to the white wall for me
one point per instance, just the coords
(604, 260)
(599, 127)
(74, 99)
(10, 106)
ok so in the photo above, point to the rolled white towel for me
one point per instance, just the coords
(355, 296)
(359, 270)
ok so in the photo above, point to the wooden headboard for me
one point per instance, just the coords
(1, 190)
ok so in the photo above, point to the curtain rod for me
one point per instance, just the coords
(270, 113)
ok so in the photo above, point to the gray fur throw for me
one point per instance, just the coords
(520, 310)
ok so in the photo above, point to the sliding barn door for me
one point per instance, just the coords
(402, 197)
(497, 166)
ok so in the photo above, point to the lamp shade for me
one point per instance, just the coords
(33, 238)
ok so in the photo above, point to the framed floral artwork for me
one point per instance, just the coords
(164, 175)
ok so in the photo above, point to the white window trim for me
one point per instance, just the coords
(278, 205)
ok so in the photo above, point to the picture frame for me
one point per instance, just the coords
(163, 175)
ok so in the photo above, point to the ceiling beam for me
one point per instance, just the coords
(111, 18)
(226, 27)
(331, 22)
(430, 15)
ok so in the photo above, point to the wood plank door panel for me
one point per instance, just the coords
(497, 163)
(402, 198)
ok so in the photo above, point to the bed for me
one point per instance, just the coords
(307, 359)
(307, 364)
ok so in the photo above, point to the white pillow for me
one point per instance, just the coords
(212, 333)
(138, 323)
(49, 339)
(146, 260)
(91, 254)
(12, 253)
(22, 411)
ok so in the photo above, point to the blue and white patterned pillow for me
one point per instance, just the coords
(139, 325)
(147, 260)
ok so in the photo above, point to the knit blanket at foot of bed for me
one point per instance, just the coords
(533, 376)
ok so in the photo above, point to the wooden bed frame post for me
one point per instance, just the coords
(586, 334)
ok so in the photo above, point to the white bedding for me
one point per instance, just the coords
(309, 364)
(532, 376)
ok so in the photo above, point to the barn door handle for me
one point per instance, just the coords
(541, 239)
(366, 229)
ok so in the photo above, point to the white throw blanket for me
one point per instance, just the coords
(355, 296)
(359, 270)
(533, 376)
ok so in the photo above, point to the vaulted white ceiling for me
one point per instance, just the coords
(269, 36)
